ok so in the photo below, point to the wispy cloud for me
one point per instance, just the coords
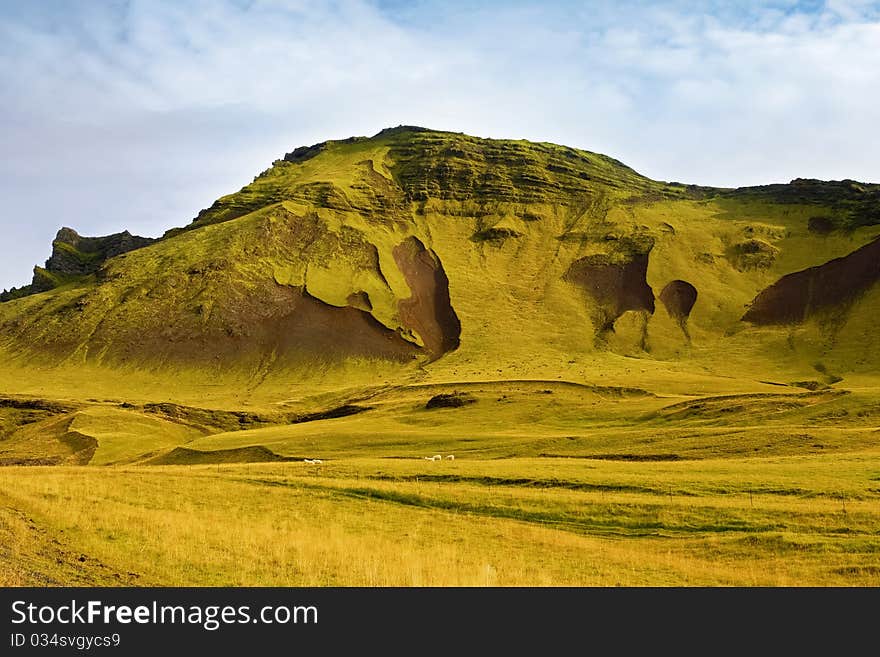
(137, 114)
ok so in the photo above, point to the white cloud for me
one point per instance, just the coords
(139, 114)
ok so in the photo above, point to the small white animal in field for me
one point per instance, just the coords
(314, 461)
(436, 457)
(451, 457)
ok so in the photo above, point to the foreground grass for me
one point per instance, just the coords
(810, 520)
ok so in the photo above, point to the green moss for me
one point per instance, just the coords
(83, 257)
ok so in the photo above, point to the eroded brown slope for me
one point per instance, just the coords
(428, 312)
(283, 323)
(679, 297)
(616, 282)
(797, 297)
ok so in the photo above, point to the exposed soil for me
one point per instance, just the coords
(16, 413)
(21, 460)
(214, 421)
(428, 311)
(810, 385)
(347, 331)
(616, 283)
(517, 481)
(50, 441)
(275, 325)
(797, 297)
(540, 386)
(634, 458)
(679, 298)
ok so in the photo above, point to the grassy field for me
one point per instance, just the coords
(553, 483)
(762, 522)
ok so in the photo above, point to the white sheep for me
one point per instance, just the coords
(314, 461)
(451, 457)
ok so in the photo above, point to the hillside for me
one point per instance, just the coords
(419, 253)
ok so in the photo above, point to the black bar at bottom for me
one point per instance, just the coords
(176, 620)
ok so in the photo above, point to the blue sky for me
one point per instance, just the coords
(136, 114)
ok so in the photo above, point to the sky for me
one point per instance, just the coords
(136, 114)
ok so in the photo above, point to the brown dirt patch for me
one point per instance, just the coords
(679, 297)
(616, 283)
(797, 297)
(82, 447)
(428, 311)
(271, 326)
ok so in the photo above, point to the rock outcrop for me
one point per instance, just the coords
(74, 256)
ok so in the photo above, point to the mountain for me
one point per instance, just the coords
(419, 255)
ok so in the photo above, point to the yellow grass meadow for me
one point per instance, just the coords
(783, 521)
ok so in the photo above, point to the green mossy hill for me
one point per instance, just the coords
(427, 164)
(408, 164)
(417, 253)
(855, 203)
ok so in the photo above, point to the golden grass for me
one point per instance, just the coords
(509, 522)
